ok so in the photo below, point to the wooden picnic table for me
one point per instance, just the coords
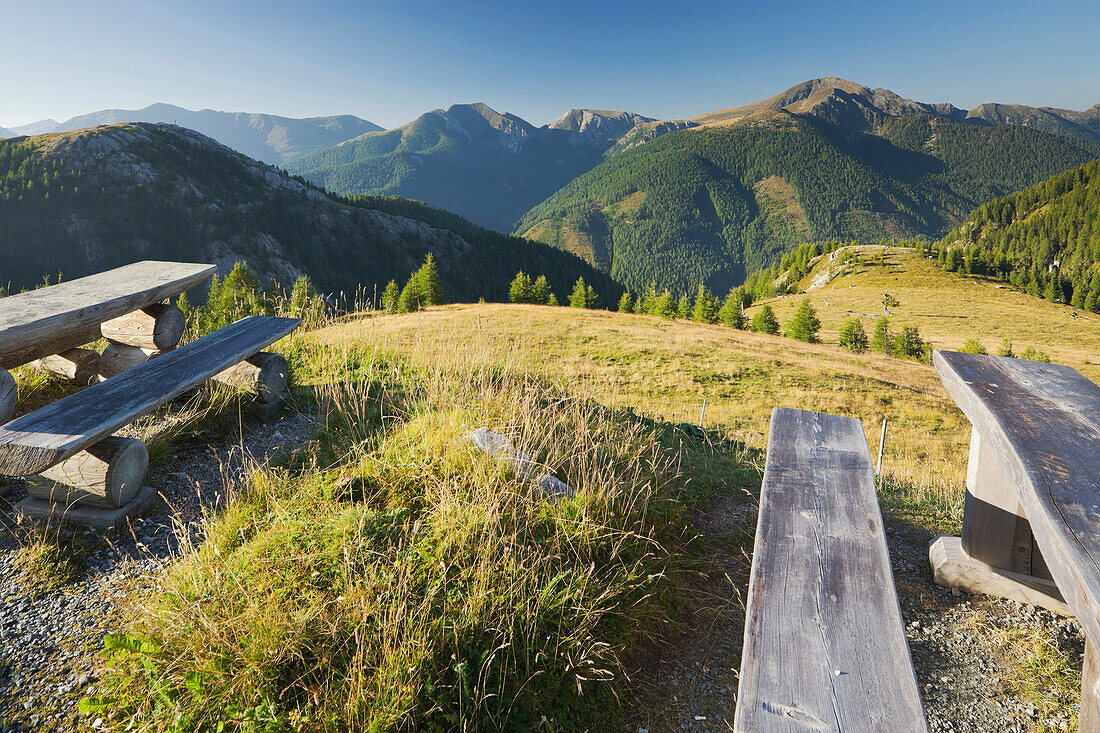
(1031, 527)
(53, 319)
(75, 468)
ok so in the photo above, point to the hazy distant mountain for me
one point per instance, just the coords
(4, 132)
(84, 201)
(470, 159)
(269, 138)
(35, 128)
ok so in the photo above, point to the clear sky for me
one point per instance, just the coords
(390, 61)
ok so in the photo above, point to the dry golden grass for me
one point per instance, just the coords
(666, 369)
(947, 308)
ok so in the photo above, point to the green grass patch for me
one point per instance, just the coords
(393, 577)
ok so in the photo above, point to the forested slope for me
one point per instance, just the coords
(693, 206)
(80, 202)
(1044, 239)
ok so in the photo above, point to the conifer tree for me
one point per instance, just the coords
(591, 298)
(683, 308)
(579, 298)
(1006, 349)
(880, 338)
(765, 321)
(626, 303)
(852, 336)
(663, 306)
(431, 285)
(520, 289)
(804, 324)
(390, 296)
(706, 306)
(541, 293)
(730, 314)
(648, 301)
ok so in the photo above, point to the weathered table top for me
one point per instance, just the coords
(1042, 424)
(31, 321)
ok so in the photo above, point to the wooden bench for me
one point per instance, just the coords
(824, 647)
(65, 432)
(124, 305)
(1031, 522)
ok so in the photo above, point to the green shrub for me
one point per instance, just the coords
(1033, 354)
(974, 346)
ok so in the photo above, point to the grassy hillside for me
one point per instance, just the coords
(948, 308)
(80, 202)
(688, 207)
(1044, 240)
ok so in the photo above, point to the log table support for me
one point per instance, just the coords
(9, 395)
(107, 474)
(78, 366)
(264, 374)
(117, 358)
(997, 554)
(158, 327)
(101, 486)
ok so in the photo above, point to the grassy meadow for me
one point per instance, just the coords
(391, 577)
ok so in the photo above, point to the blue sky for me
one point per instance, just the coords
(390, 61)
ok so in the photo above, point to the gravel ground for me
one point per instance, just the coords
(48, 640)
(959, 670)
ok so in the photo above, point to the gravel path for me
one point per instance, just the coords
(48, 640)
(960, 670)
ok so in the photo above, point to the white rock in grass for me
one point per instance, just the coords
(501, 447)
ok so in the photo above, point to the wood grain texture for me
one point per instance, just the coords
(9, 395)
(34, 442)
(157, 327)
(79, 366)
(1042, 424)
(952, 567)
(824, 645)
(118, 358)
(108, 474)
(264, 374)
(50, 320)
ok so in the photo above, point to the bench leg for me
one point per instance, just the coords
(995, 529)
(9, 395)
(108, 474)
(997, 554)
(1090, 690)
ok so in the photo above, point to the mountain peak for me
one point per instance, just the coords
(835, 99)
(584, 121)
(474, 115)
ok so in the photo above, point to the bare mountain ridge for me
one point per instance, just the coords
(850, 104)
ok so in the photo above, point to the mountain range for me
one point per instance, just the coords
(679, 202)
(268, 138)
(73, 203)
